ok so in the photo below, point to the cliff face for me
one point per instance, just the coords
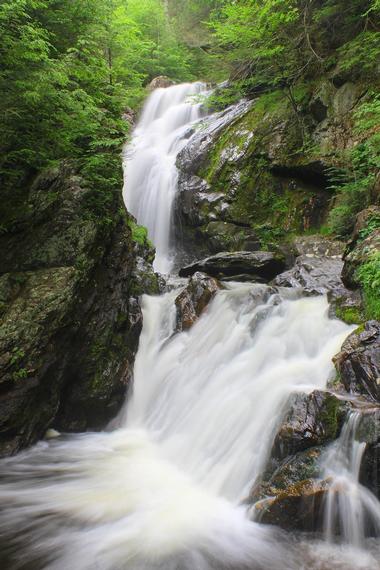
(259, 172)
(70, 317)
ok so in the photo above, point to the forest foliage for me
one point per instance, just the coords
(68, 70)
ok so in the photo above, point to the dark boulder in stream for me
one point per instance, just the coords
(299, 507)
(193, 300)
(260, 266)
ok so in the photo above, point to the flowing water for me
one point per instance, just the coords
(164, 488)
(351, 509)
(150, 171)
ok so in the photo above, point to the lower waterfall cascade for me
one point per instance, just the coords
(165, 486)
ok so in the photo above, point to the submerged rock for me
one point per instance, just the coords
(193, 300)
(358, 363)
(259, 266)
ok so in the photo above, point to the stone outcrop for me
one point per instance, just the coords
(193, 300)
(259, 266)
(358, 363)
(69, 316)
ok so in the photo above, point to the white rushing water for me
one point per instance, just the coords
(351, 509)
(164, 487)
(163, 490)
(149, 161)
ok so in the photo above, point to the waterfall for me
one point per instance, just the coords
(149, 162)
(351, 509)
(165, 487)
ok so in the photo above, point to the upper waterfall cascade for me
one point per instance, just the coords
(164, 488)
(149, 162)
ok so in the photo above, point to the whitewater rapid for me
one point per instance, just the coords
(165, 487)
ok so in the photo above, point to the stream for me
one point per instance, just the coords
(164, 488)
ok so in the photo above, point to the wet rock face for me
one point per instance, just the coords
(290, 492)
(312, 420)
(358, 363)
(260, 266)
(193, 300)
(69, 321)
(370, 467)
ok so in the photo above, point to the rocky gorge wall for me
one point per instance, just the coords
(70, 316)
(259, 172)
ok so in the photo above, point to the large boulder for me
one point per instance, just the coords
(358, 363)
(290, 492)
(69, 316)
(193, 300)
(260, 266)
(316, 275)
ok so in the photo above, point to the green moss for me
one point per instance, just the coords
(372, 224)
(350, 315)
(360, 329)
(329, 415)
(139, 234)
(369, 278)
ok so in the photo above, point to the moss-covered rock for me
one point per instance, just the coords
(69, 316)
(265, 164)
(299, 507)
